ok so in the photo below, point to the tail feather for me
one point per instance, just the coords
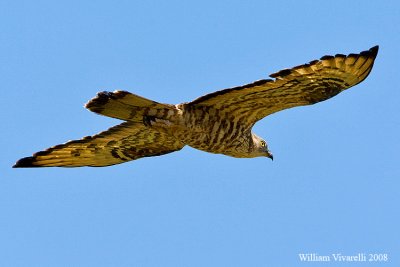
(126, 106)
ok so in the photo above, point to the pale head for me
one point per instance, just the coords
(260, 147)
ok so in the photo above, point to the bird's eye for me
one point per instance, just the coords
(263, 143)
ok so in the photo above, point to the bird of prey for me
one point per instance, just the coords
(219, 122)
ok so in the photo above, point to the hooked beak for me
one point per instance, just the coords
(269, 155)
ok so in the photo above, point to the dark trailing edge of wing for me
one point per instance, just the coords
(372, 52)
(211, 95)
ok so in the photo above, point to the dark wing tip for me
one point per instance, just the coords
(27, 162)
(373, 51)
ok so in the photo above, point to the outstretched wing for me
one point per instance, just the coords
(121, 143)
(306, 84)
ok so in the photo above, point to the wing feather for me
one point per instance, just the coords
(119, 144)
(302, 85)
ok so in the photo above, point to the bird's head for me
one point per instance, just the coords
(260, 147)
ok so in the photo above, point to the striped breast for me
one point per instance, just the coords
(213, 131)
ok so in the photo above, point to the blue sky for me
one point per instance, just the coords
(333, 186)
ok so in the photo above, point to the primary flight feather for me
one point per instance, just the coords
(220, 122)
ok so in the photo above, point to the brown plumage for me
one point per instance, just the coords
(219, 122)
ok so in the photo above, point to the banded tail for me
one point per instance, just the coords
(127, 106)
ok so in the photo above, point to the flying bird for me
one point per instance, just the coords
(219, 122)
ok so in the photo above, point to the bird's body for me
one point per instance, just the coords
(205, 128)
(220, 122)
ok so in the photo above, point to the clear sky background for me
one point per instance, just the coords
(332, 188)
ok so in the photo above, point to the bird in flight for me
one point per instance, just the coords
(219, 122)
